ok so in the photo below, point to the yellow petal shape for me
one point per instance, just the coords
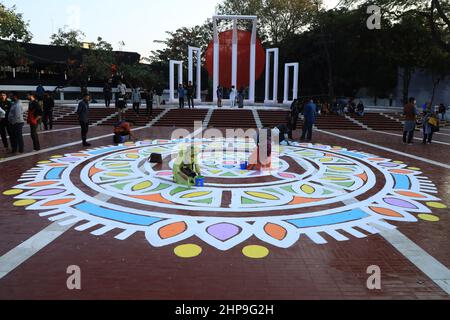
(262, 195)
(196, 194)
(142, 186)
(308, 189)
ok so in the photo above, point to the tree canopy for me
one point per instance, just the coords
(67, 38)
(13, 29)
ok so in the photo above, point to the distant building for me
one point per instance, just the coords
(48, 65)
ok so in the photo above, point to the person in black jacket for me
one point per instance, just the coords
(149, 102)
(190, 90)
(34, 117)
(47, 116)
(5, 105)
(83, 116)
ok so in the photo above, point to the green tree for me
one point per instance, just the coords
(436, 12)
(278, 19)
(67, 38)
(98, 60)
(13, 30)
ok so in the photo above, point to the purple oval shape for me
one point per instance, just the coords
(399, 203)
(71, 159)
(224, 231)
(48, 192)
(389, 165)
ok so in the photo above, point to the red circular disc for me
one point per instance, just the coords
(225, 56)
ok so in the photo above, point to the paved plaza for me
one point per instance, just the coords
(310, 228)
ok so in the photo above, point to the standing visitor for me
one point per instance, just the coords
(122, 88)
(3, 132)
(149, 102)
(181, 94)
(241, 98)
(122, 99)
(219, 96)
(442, 111)
(295, 112)
(136, 99)
(410, 113)
(360, 109)
(16, 122)
(190, 94)
(430, 124)
(107, 94)
(159, 92)
(40, 91)
(309, 112)
(47, 116)
(233, 96)
(5, 105)
(83, 117)
(34, 116)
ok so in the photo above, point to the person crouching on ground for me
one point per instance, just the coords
(121, 130)
(34, 116)
(83, 117)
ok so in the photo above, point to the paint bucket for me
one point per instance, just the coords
(244, 165)
(200, 181)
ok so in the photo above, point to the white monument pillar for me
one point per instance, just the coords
(216, 59)
(234, 70)
(174, 63)
(199, 71)
(276, 57)
(234, 53)
(251, 97)
(287, 67)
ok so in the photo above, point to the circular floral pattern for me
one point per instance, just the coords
(310, 190)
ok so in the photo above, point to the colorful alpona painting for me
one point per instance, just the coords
(312, 191)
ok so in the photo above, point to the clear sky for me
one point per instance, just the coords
(136, 22)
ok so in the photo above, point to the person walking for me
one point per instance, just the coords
(233, 96)
(310, 114)
(107, 94)
(47, 116)
(83, 117)
(181, 94)
(136, 99)
(149, 102)
(190, 94)
(410, 113)
(16, 122)
(34, 116)
(219, 96)
(5, 105)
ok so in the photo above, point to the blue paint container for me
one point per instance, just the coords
(200, 182)
(244, 165)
